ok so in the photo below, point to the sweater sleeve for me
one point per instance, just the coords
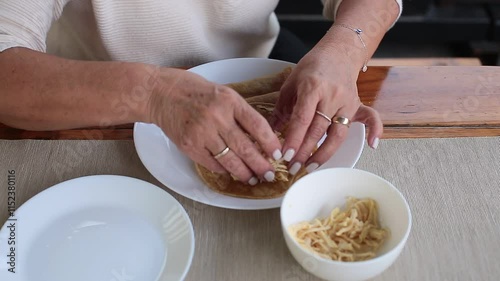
(330, 8)
(25, 23)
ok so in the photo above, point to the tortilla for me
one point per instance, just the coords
(227, 185)
(261, 85)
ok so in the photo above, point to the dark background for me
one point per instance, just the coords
(427, 28)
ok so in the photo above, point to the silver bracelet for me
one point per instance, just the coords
(358, 33)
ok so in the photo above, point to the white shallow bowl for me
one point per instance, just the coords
(99, 228)
(317, 194)
(175, 170)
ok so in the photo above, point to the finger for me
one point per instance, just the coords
(202, 157)
(259, 129)
(248, 152)
(232, 163)
(316, 131)
(300, 120)
(206, 159)
(283, 109)
(278, 120)
(371, 118)
(336, 135)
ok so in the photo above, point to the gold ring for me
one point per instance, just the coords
(342, 120)
(222, 153)
(324, 116)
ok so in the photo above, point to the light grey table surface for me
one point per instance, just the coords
(452, 186)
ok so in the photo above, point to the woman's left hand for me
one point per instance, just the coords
(323, 81)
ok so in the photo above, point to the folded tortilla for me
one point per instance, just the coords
(261, 85)
(227, 185)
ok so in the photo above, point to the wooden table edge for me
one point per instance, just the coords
(390, 132)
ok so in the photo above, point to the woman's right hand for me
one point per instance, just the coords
(203, 118)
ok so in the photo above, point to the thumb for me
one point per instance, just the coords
(371, 119)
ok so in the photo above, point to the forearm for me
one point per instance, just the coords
(44, 92)
(373, 17)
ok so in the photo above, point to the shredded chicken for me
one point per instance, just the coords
(280, 167)
(281, 170)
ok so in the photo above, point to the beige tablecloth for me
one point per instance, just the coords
(452, 186)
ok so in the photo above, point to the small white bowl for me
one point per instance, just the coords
(317, 194)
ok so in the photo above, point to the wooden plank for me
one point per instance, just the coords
(433, 96)
(439, 132)
(123, 126)
(435, 101)
(390, 132)
(76, 134)
(424, 62)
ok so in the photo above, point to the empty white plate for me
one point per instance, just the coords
(99, 228)
(176, 171)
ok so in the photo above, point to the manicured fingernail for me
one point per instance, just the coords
(289, 154)
(375, 143)
(311, 167)
(295, 168)
(269, 176)
(277, 154)
(253, 181)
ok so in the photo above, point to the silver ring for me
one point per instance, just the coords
(342, 120)
(222, 153)
(324, 116)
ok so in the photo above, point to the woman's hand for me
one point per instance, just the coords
(323, 81)
(203, 118)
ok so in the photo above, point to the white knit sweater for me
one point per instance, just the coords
(161, 32)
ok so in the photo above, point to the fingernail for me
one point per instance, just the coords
(289, 154)
(375, 143)
(253, 181)
(295, 168)
(269, 176)
(277, 154)
(311, 167)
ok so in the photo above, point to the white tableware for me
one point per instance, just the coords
(317, 194)
(176, 171)
(110, 228)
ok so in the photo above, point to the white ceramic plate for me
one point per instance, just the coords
(99, 228)
(176, 171)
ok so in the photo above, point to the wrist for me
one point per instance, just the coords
(165, 82)
(131, 93)
(345, 43)
(144, 90)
